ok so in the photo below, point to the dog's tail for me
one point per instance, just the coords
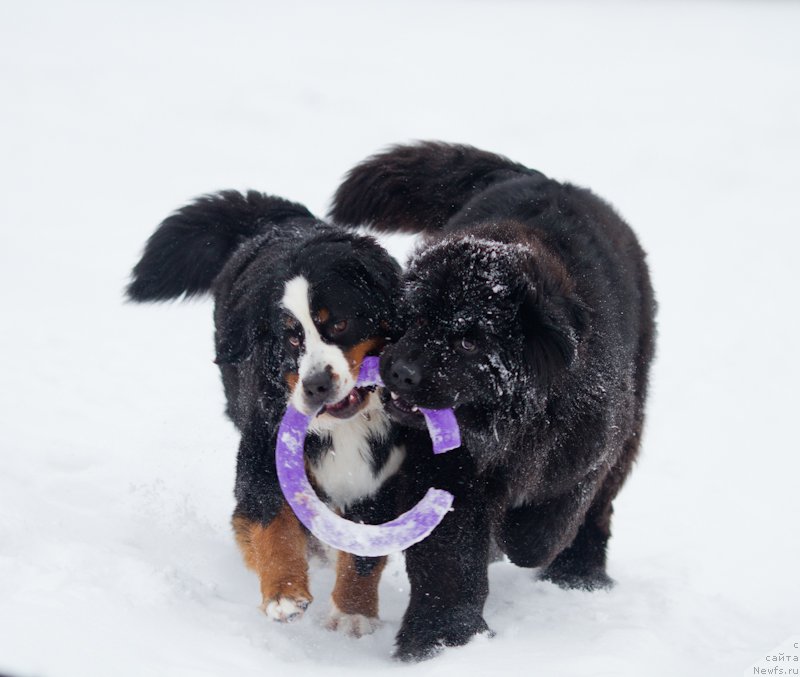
(190, 247)
(418, 187)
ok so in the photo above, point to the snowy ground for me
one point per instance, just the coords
(117, 465)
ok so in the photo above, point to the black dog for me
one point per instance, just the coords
(298, 305)
(534, 319)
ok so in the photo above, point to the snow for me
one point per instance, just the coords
(116, 556)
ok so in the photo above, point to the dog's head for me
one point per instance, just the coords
(308, 317)
(490, 322)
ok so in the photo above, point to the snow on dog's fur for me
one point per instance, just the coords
(532, 315)
(298, 305)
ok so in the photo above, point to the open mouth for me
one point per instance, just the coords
(401, 409)
(350, 405)
(403, 405)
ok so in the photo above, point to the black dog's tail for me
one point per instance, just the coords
(190, 247)
(417, 187)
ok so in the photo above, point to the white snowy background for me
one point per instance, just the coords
(116, 463)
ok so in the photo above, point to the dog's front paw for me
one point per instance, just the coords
(427, 632)
(285, 609)
(354, 625)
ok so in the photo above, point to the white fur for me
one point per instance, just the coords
(285, 609)
(345, 472)
(355, 625)
(317, 355)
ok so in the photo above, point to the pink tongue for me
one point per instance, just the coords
(351, 399)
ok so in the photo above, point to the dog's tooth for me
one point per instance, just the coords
(415, 408)
(395, 396)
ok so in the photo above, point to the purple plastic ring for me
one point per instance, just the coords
(366, 540)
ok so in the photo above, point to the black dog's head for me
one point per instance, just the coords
(305, 318)
(491, 323)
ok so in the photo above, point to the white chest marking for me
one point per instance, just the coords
(345, 472)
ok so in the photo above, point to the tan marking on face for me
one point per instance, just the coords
(277, 553)
(353, 593)
(322, 316)
(355, 355)
(291, 379)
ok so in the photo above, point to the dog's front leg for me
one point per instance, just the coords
(277, 553)
(448, 574)
(355, 595)
(354, 601)
(271, 538)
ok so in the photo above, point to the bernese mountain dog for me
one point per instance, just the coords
(532, 315)
(298, 305)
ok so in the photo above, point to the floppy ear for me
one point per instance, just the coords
(394, 321)
(551, 326)
(234, 338)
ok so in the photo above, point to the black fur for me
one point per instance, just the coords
(243, 249)
(533, 317)
(421, 189)
(189, 248)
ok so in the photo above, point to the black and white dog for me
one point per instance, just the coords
(298, 305)
(533, 317)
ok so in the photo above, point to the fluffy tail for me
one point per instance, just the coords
(417, 187)
(190, 247)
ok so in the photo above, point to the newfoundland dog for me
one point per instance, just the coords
(532, 315)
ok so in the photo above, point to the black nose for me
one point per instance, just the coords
(317, 387)
(404, 374)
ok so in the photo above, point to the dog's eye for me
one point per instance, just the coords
(339, 327)
(467, 346)
(295, 341)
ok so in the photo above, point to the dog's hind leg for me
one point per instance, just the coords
(533, 534)
(583, 564)
(277, 553)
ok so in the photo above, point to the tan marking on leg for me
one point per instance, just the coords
(353, 593)
(277, 553)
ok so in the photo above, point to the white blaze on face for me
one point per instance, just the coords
(317, 355)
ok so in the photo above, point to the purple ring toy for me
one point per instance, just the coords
(366, 540)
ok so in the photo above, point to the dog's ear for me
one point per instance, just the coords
(394, 321)
(552, 326)
(234, 338)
